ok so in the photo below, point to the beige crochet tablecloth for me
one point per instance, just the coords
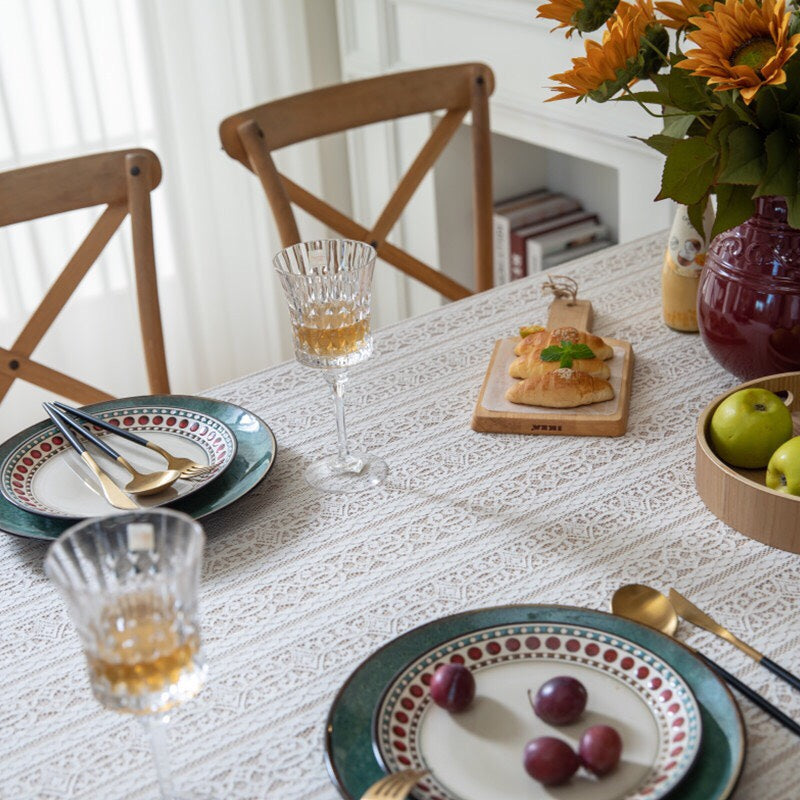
(299, 587)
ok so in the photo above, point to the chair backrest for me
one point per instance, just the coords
(123, 181)
(250, 137)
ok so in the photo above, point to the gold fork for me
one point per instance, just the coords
(189, 469)
(394, 786)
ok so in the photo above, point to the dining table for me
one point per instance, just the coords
(299, 587)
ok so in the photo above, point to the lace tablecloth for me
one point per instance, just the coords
(299, 587)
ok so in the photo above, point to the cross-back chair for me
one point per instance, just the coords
(123, 181)
(252, 135)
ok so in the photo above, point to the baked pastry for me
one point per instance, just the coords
(562, 388)
(542, 339)
(531, 364)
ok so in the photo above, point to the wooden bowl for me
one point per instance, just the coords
(740, 497)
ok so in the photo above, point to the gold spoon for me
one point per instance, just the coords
(649, 607)
(141, 483)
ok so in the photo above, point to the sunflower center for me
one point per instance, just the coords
(754, 54)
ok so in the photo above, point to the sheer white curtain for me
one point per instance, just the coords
(93, 75)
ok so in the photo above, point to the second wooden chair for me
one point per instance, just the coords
(251, 136)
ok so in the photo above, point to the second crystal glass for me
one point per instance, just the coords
(130, 585)
(328, 285)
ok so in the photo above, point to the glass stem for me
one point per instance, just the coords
(336, 380)
(156, 727)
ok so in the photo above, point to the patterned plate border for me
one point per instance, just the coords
(396, 725)
(20, 466)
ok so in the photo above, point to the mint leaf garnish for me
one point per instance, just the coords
(566, 352)
(552, 353)
(582, 351)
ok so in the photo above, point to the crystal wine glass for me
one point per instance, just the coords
(328, 284)
(130, 585)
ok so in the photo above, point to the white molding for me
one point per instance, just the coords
(511, 103)
(505, 10)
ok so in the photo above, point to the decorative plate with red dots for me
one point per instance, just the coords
(477, 754)
(44, 475)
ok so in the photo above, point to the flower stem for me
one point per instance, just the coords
(627, 89)
(656, 51)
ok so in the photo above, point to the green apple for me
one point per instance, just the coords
(748, 426)
(783, 470)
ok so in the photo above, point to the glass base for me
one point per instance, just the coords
(361, 471)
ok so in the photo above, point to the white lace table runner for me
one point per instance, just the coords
(300, 587)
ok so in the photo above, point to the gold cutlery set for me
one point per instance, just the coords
(650, 607)
(68, 421)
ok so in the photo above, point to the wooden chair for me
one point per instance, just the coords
(251, 136)
(123, 180)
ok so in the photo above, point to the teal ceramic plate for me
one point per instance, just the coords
(255, 453)
(351, 735)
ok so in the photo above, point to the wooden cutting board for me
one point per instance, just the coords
(494, 414)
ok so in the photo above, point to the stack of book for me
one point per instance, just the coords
(542, 229)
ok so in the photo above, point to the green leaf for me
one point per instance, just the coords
(552, 353)
(659, 142)
(767, 111)
(791, 122)
(788, 100)
(686, 91)
(675, 123)
(735, 204)
(731, 100)
(723, 126)
(793, 204)
(661, 82)
(745, 157)
(688, 171)
(780, 176)
(696, 215)
(723, 123)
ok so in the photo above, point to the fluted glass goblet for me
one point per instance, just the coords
(130, 585)
(328, 285)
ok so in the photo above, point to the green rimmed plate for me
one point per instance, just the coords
(352, 763)
(255, 454)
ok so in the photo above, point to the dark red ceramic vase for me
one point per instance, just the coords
(748, 301)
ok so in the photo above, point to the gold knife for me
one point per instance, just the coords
(111, 491)
(691, 613)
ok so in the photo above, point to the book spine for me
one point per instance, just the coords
(534, 256)
(502, 249)
(517, 253)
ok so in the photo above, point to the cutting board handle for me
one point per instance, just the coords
(568, 313)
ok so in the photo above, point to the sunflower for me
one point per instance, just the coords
(580, 15)
(622, 57)
(678, 14)
(742, 45)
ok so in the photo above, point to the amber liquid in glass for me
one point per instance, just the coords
(329, 330)
(147, 657)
